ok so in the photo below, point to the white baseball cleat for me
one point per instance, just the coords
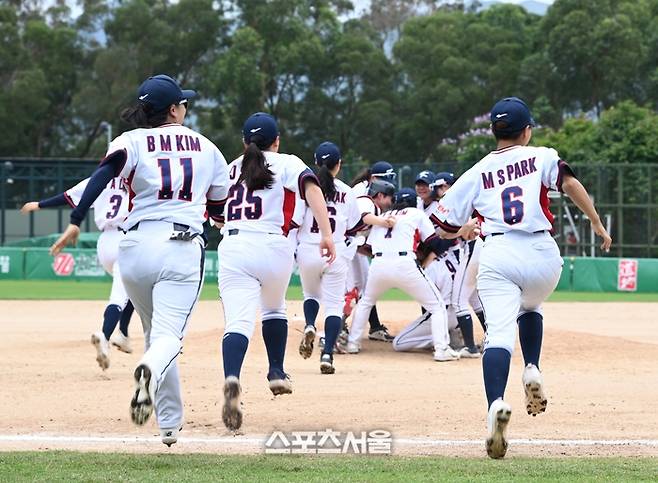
(499, 416)
(466, 353)
(121, 342)
(143, 401)
(169, 436)
(306, 345)
(535, 399)
(231, 412)
(280, 383)
(102, 349)
(327, 364)
(445, 355)
(353, 348)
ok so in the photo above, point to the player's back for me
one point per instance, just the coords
(268, 210)
(171, 171)
(343, 213)
(404, 236)
(511, 188)
(111, 206)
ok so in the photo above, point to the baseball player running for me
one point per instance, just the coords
(358, 273)
(176, 175)
(257, 258)
(520, 263)
(110, 209)
(394, 266)
(321, 281)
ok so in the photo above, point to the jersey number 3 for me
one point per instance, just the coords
(512, 205)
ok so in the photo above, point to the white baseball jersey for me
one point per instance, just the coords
(344, 216)
(508, 188)
(269, 210)
(361, 189)
(431, 210)
(411, 227)
(110, 208)
(173, 171)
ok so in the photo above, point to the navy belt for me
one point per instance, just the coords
(402, 254)
(534, 233)
(235, 231)
(177, 227)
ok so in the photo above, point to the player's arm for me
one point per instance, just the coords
(376, 220)
(578, 194)
(109, 168)
(218, 192)
(316, 202)
(70, 197)
(455, 209)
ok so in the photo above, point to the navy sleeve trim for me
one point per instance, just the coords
(562, 169)
(97, 183)
(215, 209)
(306, 175)
(117, 159)
(435, 220)
(447, 226)
(356, 228)
(58, 200)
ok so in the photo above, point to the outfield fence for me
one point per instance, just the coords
(626, 196)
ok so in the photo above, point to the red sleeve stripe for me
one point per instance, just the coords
(448, 227)
(306, 175)
(69, 200)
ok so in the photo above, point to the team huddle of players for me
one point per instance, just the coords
(391, 241)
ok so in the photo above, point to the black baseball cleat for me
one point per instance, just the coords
(231, 412)
(142, 402)
(380, 333)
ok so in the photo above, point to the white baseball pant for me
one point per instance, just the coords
(395, 271)
(163, 279)
(107, 251)
(321, 281)
(518, 271)
(464, 291)
(254, 271)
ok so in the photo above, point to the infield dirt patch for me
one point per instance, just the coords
(600, 363)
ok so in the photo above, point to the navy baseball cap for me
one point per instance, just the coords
(262, 125)
(426, 177)
(383, 169)
(444, 178)
(407, 196)
(514, 112)
(326, 153)
(161, 91)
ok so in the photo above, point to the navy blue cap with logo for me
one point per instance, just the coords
(514, 113)
(383, 170)
(260, 128)
(327, 153)
(426, 177)
(444, 178)
(406, 197)
(161, 91)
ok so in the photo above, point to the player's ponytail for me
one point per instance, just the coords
(255, 173)
(142, 115)
(327, 180)
(363, 175)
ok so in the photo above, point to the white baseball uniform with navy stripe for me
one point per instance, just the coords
(394, 266)
(520, 263)
(321, 281)
(172, 173)
(256, 257)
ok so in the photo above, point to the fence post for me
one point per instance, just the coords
(620, 211)
(3, 207)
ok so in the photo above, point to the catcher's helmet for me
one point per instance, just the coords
(383, 170)
(380, 186)
(405, 198)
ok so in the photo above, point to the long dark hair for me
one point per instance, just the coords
(255, 173)
(143, 115)
(327, 179)
(363, 175)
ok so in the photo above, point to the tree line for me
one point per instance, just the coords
(408, 81)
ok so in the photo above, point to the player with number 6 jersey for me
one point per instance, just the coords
(175, 176)
(520, 263)
(322, 282)
(256, 258)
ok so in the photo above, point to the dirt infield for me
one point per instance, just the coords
(600, 363)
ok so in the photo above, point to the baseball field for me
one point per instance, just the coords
(63, 419)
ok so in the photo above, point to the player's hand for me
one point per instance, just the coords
(69, 237)
(603, 233)
(390, 221)
(471, 230)
(30, 206)
(328, 248)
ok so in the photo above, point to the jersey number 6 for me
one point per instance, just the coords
(332, 222)
(512, 205)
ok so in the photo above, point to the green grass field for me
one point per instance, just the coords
(72, 290)
(70, 466)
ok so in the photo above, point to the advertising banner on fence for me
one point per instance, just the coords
(627, 275)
